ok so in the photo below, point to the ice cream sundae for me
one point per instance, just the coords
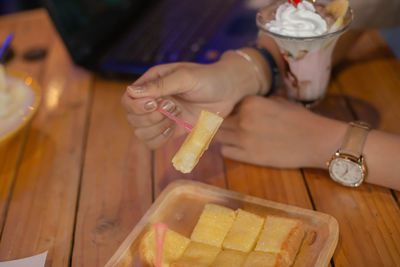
(306, 34)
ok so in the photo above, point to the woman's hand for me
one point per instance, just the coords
(185, 89)
(275, 132)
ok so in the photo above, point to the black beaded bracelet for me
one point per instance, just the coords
(273, 66)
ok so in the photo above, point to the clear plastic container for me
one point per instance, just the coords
(179, 206)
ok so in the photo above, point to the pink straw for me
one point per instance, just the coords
(178, 121)
(160, 230)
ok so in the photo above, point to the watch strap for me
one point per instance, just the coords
(355, 138)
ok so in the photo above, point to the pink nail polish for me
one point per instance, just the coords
(134, 89)
(150, 105)
(167, 105)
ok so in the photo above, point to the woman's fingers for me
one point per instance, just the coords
(230, 123)
(232, 139)
(228, 137)
(138, 106)
(233, 152)
(162, 138)
(178, 81)
(154, 128)
(151, 132)
(159, 71)
(154, 117)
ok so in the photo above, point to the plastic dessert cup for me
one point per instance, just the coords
(307, 59)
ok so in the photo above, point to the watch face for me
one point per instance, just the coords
(346, 172)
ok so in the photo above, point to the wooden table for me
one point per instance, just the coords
(76, 181)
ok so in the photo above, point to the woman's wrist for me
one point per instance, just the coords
(241, 75)
(328, 139)
(262, 67)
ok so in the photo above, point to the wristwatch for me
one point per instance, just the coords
(347, 165)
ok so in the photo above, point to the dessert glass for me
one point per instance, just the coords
(11, 124)
(307, 60)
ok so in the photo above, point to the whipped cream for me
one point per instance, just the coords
(300, 21)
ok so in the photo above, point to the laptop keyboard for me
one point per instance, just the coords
(176, 30)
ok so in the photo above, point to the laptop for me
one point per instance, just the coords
(126, 37)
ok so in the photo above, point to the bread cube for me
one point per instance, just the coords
(281, 235)
(244, 231)
(214, 223)
(174, 246)
(229, 258)
(197, 255)
(262, 259)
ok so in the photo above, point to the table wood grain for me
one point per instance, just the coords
(76, 180)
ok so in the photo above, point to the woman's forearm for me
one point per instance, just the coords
(382, 157)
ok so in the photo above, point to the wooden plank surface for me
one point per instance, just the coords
(368, 216)
(368, 221)
(42, 208)
(116, 183)
(397, 196)
(285, 186)
(10, 152)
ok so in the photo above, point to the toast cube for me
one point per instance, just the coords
(281, 235)
(244, 232)
(197, 255)
(262, 259)
(213, 225)
(197, 141)
(173, 249)
(229, 258)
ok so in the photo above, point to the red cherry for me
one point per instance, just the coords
(294, 2)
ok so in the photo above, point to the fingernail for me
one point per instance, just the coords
(150, 105)
(134, 89)
(167, 131)
(176, 112)
(168, 105)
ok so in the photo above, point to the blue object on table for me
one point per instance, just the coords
(4, 45)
